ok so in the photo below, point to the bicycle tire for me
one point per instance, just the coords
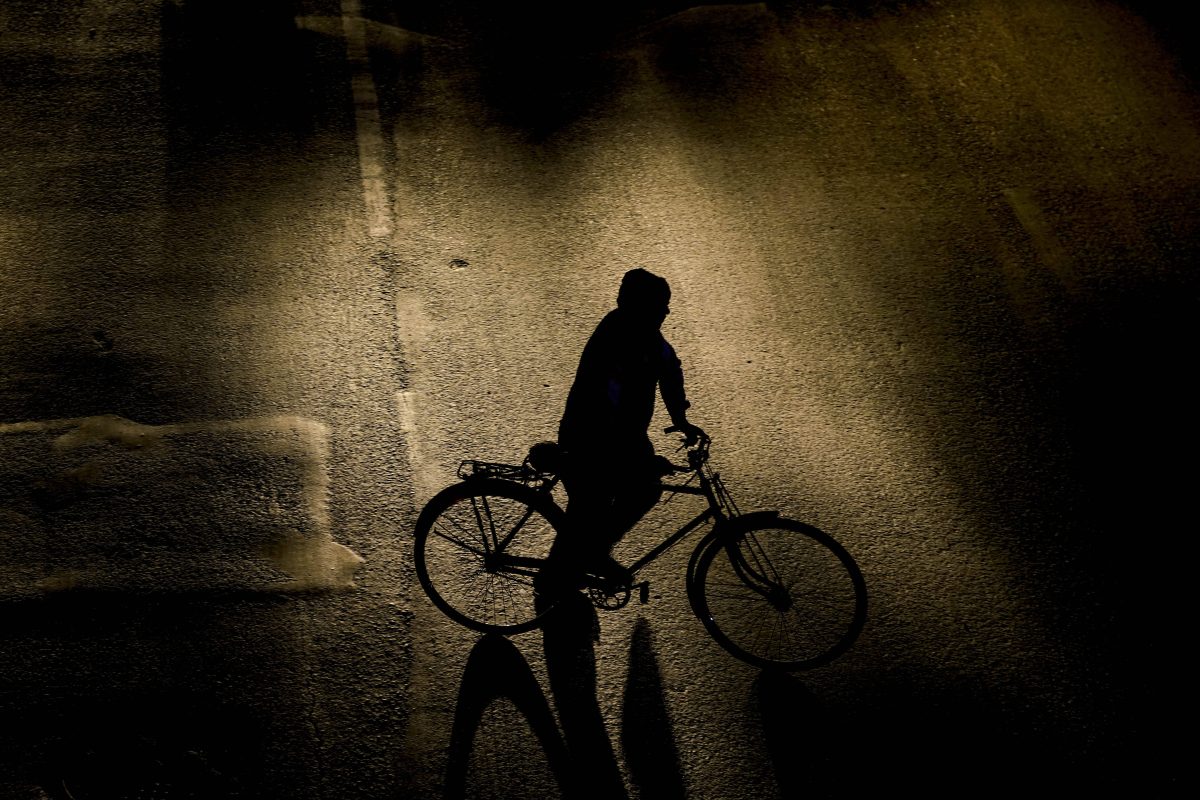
(456, 556)
(808, 611)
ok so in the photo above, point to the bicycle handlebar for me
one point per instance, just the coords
(675, 429)
(697, 451)
(701, 441)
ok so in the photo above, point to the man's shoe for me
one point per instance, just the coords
(610, 569)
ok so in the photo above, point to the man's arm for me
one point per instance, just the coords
(674, 397)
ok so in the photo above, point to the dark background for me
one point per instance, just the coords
(933, 269)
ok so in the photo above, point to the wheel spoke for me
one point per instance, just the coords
(455, 540)
(513, 577)
(476, 533)
(742, 598)
(520, 523)
(484, 527)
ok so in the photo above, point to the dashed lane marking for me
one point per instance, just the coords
(367, 122)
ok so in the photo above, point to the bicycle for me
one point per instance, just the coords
(772, 591)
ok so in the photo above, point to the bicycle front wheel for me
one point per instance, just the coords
(479, 545)
(779, 594)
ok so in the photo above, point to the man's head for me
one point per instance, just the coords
(644, 296)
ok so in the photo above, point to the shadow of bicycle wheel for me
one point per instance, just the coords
(496, 669)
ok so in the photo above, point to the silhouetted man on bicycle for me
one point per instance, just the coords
(610, 471)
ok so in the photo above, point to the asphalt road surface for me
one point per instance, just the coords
(270, 271)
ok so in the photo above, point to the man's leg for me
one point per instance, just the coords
(630, 503)
(589, 507)
(631, 499)
(605, 498)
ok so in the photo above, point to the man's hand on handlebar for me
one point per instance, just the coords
(691, 433)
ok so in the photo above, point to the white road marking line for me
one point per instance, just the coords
(380, 222)
(366, 118)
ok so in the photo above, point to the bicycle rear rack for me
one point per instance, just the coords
(521, 473)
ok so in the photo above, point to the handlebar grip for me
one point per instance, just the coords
(676, 429)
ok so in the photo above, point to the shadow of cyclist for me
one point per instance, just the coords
(647, 740)
(568, 639)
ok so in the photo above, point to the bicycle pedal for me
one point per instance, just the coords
(644, 592)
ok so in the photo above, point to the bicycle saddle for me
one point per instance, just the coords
(545, 457)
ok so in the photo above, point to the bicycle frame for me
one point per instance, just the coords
(721, 511)
(753, 580)
(665, 545)
(721, 508)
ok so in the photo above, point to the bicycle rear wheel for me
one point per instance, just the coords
(779, 594)
(478, 546)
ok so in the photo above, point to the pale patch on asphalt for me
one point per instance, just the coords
(1047, 245)
(106, 503)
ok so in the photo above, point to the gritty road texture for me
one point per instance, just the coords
(933, 290)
